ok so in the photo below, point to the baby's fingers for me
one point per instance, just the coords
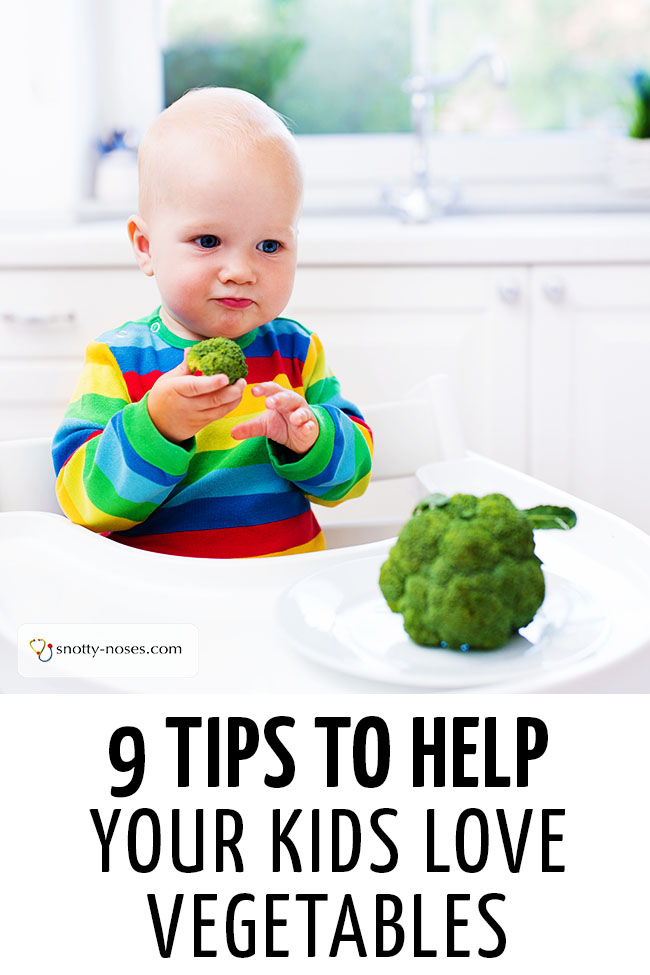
(285, 401)
(267, 388)
(190, 385)
(301, 416)
(226, 396)
(220, 392)
(250, 428)
(308, 430)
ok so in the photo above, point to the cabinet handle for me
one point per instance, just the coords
(509, 292)
(55, 320)
(554, 290)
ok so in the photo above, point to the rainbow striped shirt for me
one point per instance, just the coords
(212, 496)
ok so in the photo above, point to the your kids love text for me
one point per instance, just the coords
(334, 837)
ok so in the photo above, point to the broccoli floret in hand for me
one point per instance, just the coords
(218, 355)
(463, 572)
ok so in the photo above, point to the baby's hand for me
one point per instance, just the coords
(287, 420)
(180, 404)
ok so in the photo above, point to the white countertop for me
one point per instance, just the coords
(452, 240)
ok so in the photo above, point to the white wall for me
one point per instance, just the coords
(66, 77)
(129, 63)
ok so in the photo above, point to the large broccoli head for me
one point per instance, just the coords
(218, 355)
(463, 572)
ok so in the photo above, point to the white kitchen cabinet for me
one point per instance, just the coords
(386, 329)
(53, 312)
(590, 389)
(47, 317)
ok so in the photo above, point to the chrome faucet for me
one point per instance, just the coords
(420, 203)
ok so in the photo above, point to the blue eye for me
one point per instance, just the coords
(208, 240)
(269, 246)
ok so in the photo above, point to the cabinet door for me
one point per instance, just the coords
(34, 396)
(385, 329)
(590, 396)
(54, 313)
(47, 317)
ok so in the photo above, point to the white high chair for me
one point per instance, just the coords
(27, 476)
(598, 575)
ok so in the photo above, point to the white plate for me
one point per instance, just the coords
(339, 618)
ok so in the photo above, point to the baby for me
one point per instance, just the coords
(187, 464)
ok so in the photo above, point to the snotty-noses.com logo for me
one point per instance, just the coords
(42, 650)
(96, 650)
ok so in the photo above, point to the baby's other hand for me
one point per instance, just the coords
(180, 403)
(287, 420)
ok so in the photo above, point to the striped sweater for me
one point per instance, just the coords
(212, 496)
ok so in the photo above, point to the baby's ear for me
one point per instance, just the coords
(140, 243)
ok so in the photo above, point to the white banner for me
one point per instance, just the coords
(502, 834)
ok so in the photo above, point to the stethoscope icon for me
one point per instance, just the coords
(45, 652)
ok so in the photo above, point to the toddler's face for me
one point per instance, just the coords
(223, 243)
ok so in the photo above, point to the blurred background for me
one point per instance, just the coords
(81, 79)
(337, 66)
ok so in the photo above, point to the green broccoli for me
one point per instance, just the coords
(219, 355)
(463, 572)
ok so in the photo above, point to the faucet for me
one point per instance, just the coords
(420, 202)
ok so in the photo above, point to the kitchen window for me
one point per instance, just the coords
(336, 69)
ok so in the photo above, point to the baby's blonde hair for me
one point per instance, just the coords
(241, 120)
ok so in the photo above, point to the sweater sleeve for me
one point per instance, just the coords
(114, 468)
(338, 465)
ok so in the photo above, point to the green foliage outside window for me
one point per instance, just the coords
(640, 127)
(257, 64)
(337, 65)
